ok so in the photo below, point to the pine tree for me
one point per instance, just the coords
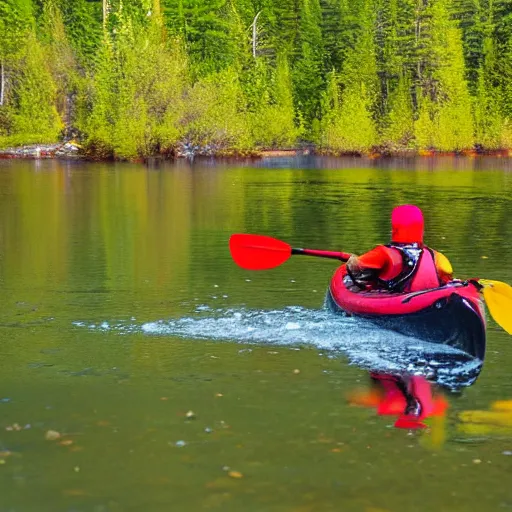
(16, 22)
(472, 18)
(135, 103)
(61, 59)
(487, 117)
(207, 26)
(398, 129)
(34, 117)
(274, 117)
(348, 126)
(443, 82)
(351, 127)
(83, 24)
(307, 69)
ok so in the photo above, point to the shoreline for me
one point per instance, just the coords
(73, 151)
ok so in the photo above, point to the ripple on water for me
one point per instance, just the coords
(364, 344)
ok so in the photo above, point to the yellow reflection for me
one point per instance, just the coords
(496, 420)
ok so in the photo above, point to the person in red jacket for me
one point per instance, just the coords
(406, 264)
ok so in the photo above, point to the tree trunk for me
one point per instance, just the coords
(106, 11)
(255, 34)
(157, 11)
(2, 82)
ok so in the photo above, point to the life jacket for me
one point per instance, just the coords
(416, 269)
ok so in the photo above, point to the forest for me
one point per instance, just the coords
(133, 78)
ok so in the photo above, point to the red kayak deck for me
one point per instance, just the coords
(451, 315)
(381, 302)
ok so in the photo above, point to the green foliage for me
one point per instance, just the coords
(347, 75)
(398, 126)
(210, 28)
(487, 118)
(134, 102)
(426, 125)
(16, 22)
(446, 104)
(61, 60)
(83, 22)
(273, 119)
(216, 113)
(348, 125)
(308, 79)
(31, 115)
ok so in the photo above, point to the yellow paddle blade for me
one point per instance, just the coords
(500, 287)
(498, 297)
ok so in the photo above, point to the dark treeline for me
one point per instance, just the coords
(136, 77)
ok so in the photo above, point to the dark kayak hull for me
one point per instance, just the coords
(453, 315)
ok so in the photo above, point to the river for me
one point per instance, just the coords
(142, 370)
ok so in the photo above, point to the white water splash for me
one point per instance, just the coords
(334, 335)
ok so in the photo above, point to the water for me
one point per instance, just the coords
(126, 327)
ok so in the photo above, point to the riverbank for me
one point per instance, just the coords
(73, 150)
(64, 150)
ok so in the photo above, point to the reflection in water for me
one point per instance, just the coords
(410, 398)
(496, 420)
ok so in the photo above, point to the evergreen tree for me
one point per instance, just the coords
(33, 114)
(347, 125)
(348, 74)
(211, 29)
(83, 24)
(135, 103)
(398, 129)
(274, 117)
(61, 59)
(16, 22)
(473, 20)
(443, 82)
(307, 69)
(488, 120)
(351, 126)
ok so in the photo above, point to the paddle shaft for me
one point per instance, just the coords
(342, 256)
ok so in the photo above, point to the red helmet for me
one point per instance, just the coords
(407, 225)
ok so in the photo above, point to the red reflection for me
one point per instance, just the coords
(411, 398)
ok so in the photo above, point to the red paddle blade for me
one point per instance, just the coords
(258, 252)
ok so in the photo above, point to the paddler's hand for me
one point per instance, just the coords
(353, 264)
(357, 272)
(359, 276)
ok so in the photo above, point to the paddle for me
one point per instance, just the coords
(259, 252)
(498, 298)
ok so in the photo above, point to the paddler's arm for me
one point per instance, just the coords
(444, 267)
(369, 264)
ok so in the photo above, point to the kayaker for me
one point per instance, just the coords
(404, 265)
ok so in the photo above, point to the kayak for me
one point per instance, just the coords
(452, 314)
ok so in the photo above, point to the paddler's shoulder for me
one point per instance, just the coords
(442, 262)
